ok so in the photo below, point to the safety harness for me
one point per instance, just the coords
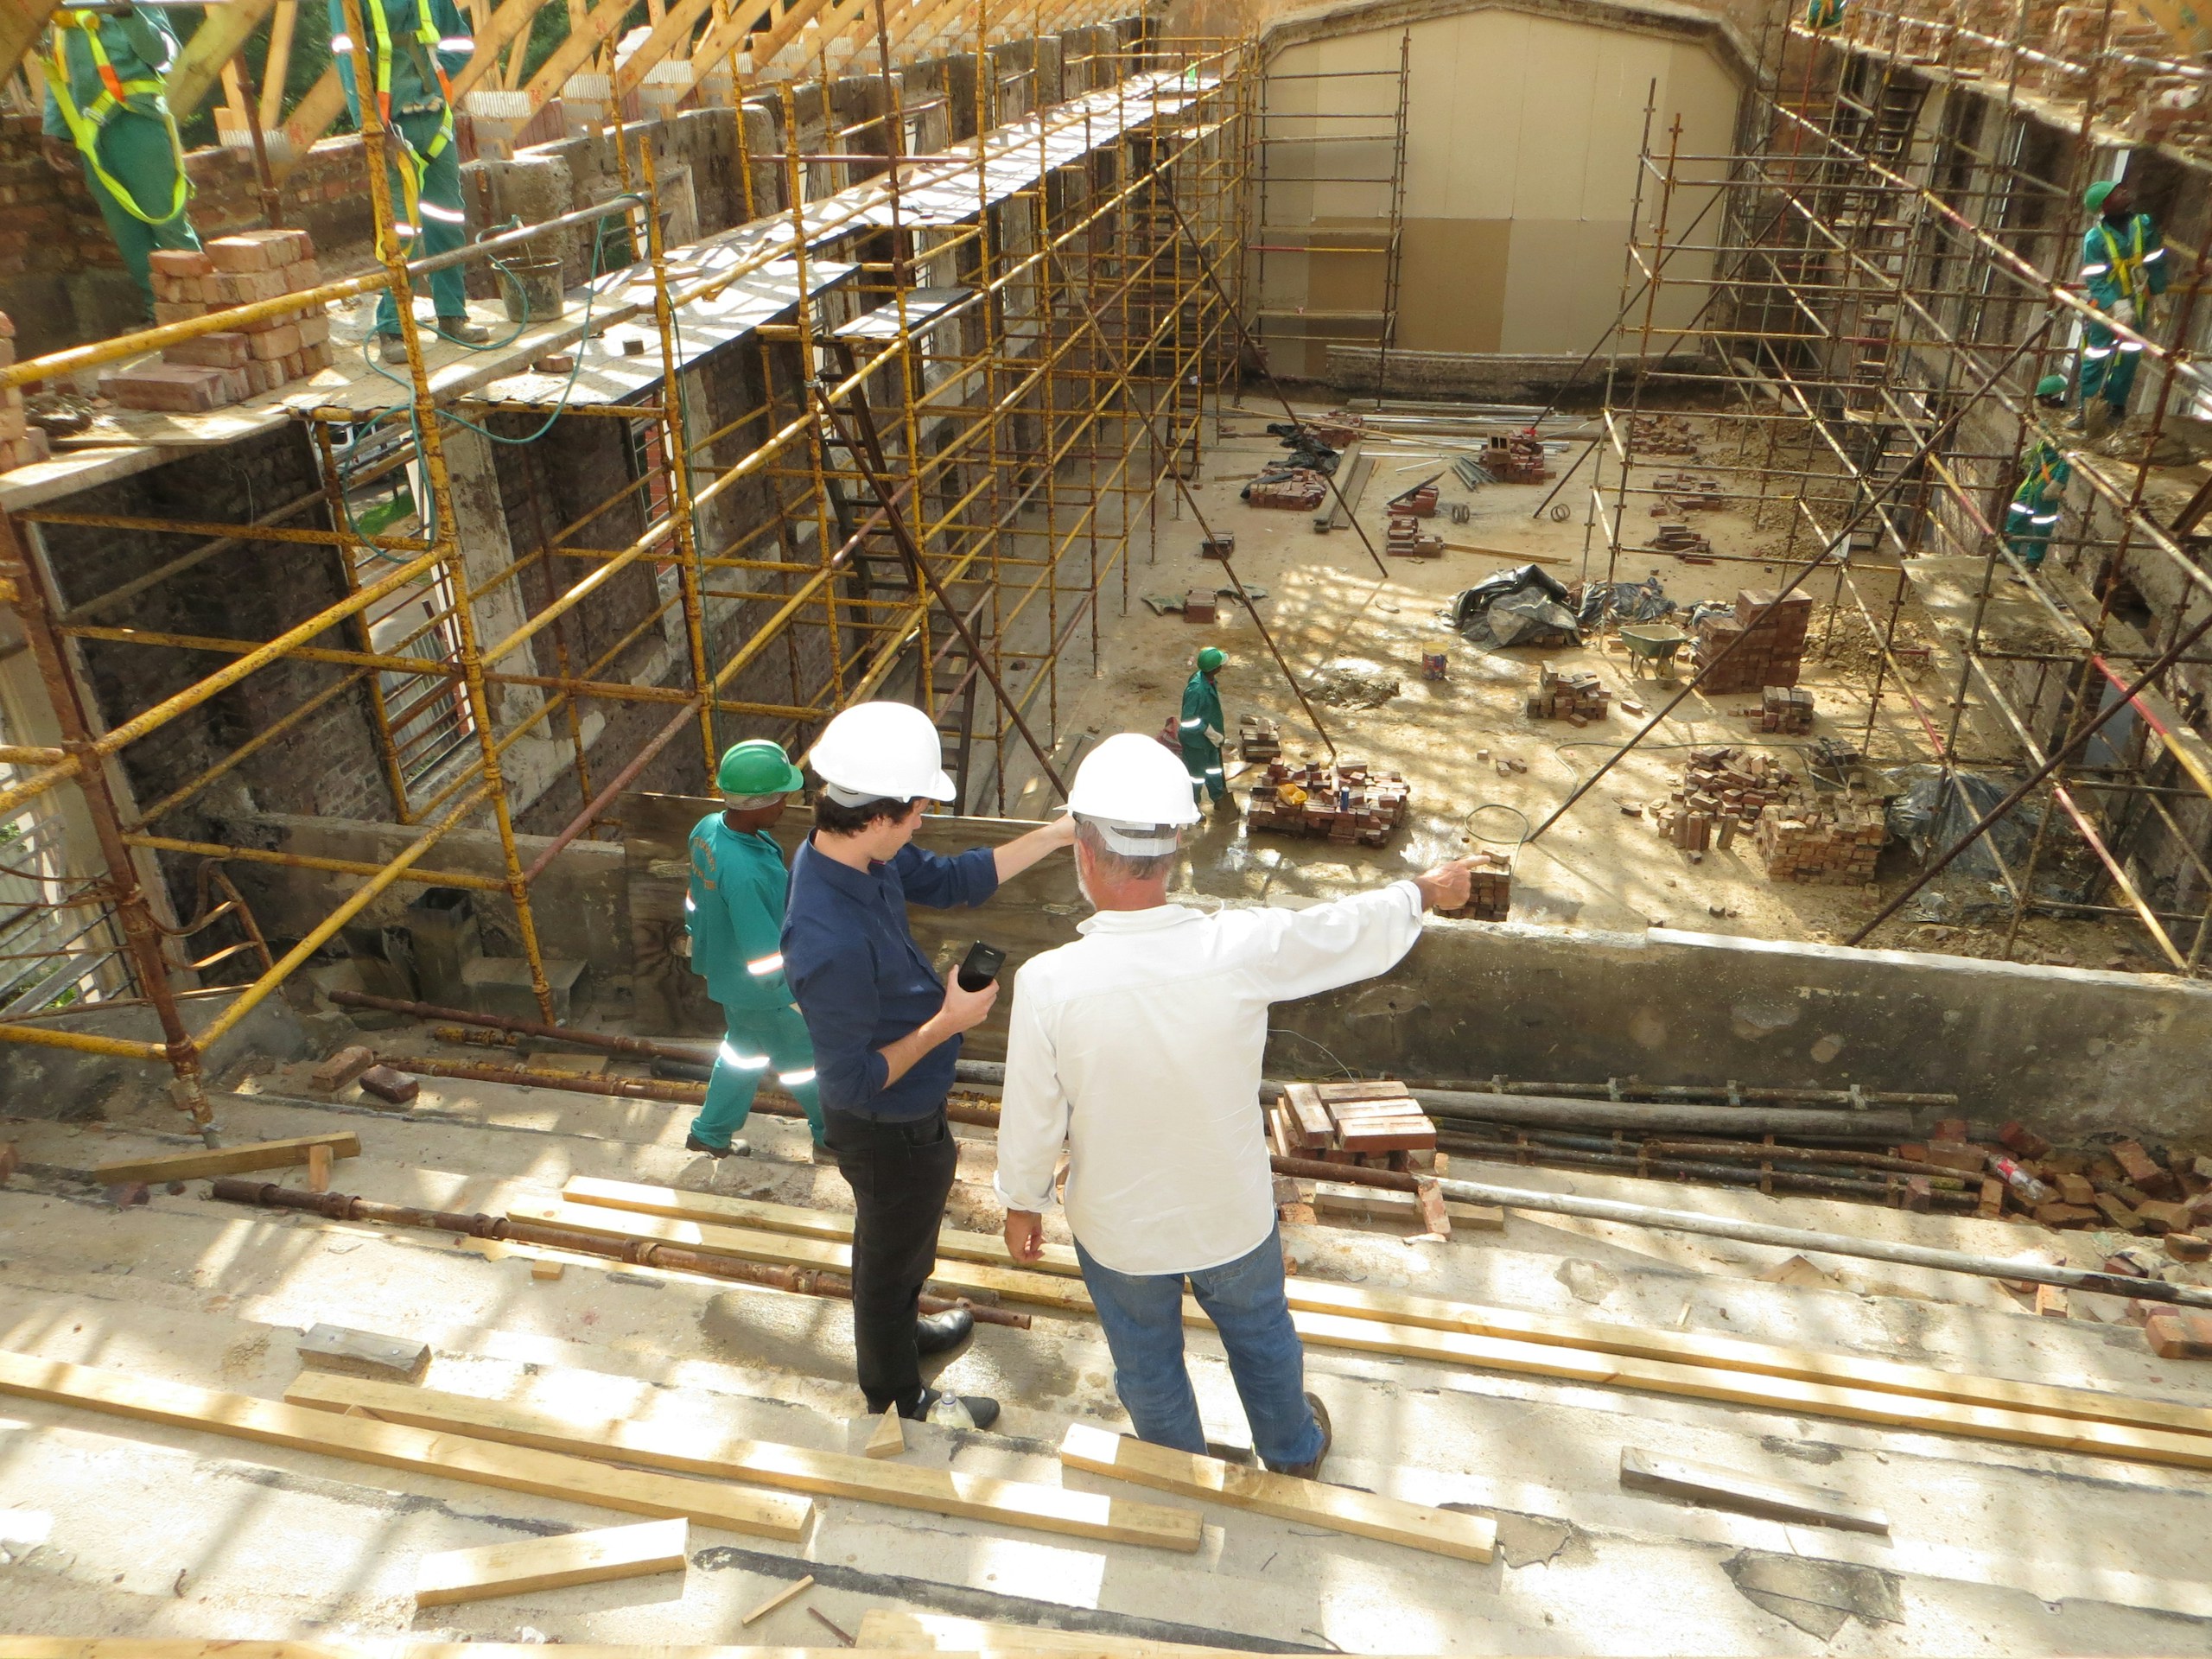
(2128, 270)
(409, 161)
(84, 125)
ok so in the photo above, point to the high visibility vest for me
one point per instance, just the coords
(2128, 268)
(84, 124)
(406, 158)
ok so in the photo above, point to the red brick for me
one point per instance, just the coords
(2176, 1333)
(1950, 1128)
(244, 287)
(241, 253)
(2163, 1217)
(180, 262)
(2188, 1247)
(181, 388)
(222, 351)
(270, 344)
(1961, 1156)
(314, 327)
(2064, 1215)
(176, 311)
(2135, 1163)
(2024, 1141)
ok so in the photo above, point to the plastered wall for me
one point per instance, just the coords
(1522, 134)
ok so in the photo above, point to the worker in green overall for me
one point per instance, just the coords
(413, 46)
(2033, 515)
(1200, 730)
(735, 914)
(2124, 264)
(1821, 14)
(104, 113)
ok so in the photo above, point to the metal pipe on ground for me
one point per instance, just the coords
(645, 1253)
(1781, 1180)
(1546, 1111)
(1756, 1232)
(1629, 1088)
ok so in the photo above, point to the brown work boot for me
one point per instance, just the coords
(1313, 1470)
(463, 330)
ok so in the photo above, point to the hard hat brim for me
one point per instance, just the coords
(945, 790)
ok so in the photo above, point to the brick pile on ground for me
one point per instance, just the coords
(1828, 837)
(1662, 435)
(1301, 491)
(1518, 459)
(1576, 695)
(1723, 791)
(1261, 737)
(1772, 630)
(21, 443)
(1402, 538)
(1348, 805)
(1783, 709)
(1490, 889)
(1368, 1123)
(1419, 502)
(215, 369)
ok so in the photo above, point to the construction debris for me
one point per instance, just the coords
(1346, 803)
(1373, 1123)
(1682, 542)
(1772, 630)
(1573, 694)
(1298, 489)
(1518, 459)
(1812, 836)
(1260, 736)
(1402, 538)
(1786, 710)
(1662, 435)
(1490, 888)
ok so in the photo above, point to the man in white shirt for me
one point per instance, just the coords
(1138, 1047)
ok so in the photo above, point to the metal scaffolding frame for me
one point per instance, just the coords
(1890, 271)
(988, 355)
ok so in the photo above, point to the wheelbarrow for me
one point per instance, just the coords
(1652, 648)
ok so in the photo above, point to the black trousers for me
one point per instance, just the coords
(900, 1174)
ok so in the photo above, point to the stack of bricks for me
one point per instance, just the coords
(1576, 697)
(1373, 1124)
(1419, 502)
(1681, 492)
(21, 444)
(1772, 630)
(1490, 889)
(1349, 804)
(1683, 543)
(1662, 435)
(1516, 460)
(1783, 708)
(214, 369)
(1811, 836)
(1723, 791)
(1261, 737)
(1301, 491)
(1402, 539)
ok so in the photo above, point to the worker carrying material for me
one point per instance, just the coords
(2033, 515)
(1201, 730)
(1138, 1049)
(2124, 264)
(735, 915)
(105, 114)
(413, 46)
(886, 1029)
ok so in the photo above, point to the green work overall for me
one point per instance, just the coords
(1200, 733)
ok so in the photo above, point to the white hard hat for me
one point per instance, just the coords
(881, 751)
(1129, 785)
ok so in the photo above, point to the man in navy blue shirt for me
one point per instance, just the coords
(886, 1029)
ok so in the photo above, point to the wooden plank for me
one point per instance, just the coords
(892, 1627)
(394, 1445)
(222, 36)
(1382, 1204)
(1731, 1354)
(363, 1353)
(1775, 1394)
(763, 1463)
(1725, 1488)
(777, 1600)
(451, 1576)
(1287, 1498)
(890, 1437)
(227, 1160)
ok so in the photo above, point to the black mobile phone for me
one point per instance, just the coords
(980, 966)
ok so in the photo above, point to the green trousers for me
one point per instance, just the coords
(136, 151)
(444, 218)
(758, 1042)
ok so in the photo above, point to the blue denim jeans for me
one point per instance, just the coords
(1143, 1319)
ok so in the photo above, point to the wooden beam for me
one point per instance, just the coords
(1724, 1488)
(448, 1577)
(720, 42)
(392, 1446)
(214, 43)
(312, 117)
(569, 57)
(510, 22)
(21, 21)
(673, 29)
(1287, 1498)
(227, 1160)
(762, 1463)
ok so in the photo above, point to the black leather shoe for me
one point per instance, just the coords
(984, 1411)
(1312, 1470)
(940, 1333)
(735, 1150)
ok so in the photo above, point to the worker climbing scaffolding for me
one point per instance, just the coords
(2124, 266)
(105, 114)
(1200, 730)
(2033, 514)
(413, 46)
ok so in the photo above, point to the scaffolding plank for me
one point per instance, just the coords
(448, 1577)
(393, 1445)
(228, 1161)
(1287, 1498)
(822, 1474)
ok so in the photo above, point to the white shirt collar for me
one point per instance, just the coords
(1137, 921)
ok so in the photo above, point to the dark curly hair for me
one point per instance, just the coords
(851, 820)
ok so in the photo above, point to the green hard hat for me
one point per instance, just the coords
(758, 767)
(1211, 659)
(2094, 197)
(2051, 385)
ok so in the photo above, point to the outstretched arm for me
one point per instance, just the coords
(1018, 854)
